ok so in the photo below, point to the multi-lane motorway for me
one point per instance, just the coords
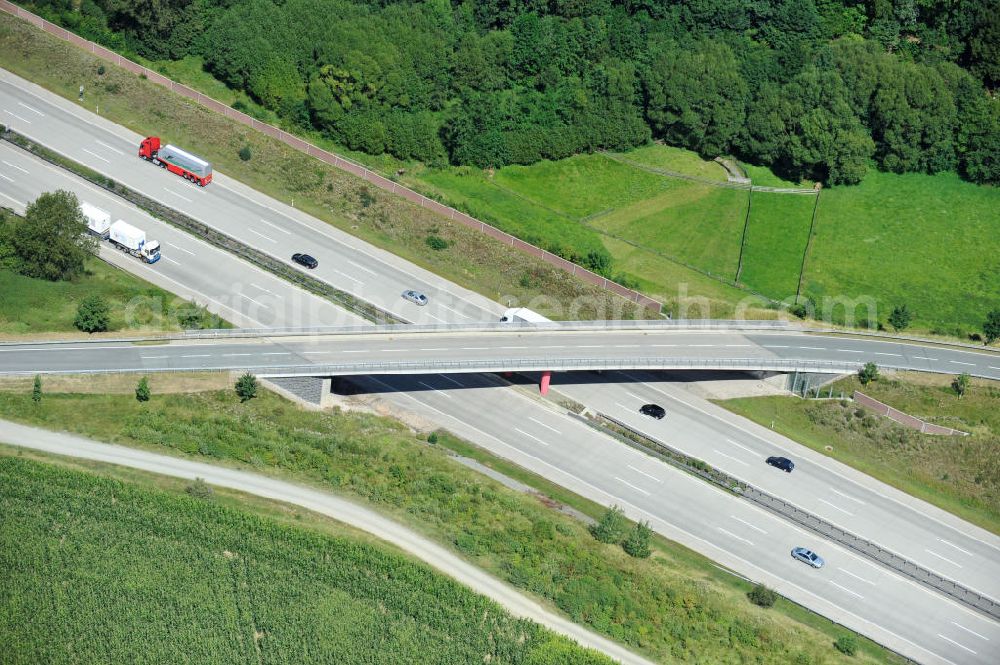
(893, 610)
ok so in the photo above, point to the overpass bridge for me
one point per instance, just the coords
(479, 348)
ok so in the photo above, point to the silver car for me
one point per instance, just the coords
(415, 297)
(808, 557)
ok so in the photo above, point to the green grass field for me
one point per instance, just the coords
(676, 607)
(30, 306)
(776, 240)
(958, 474)
(99, 570)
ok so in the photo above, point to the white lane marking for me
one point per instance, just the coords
(923, 358)
(65, 348)
(701, 346)
(661, 346)
(733, 535)
(850, 498)
(844, 588)
(277, 353)
(448, 378)
(94, 154)
(640, 471)
(188, 251)
(881, 353)
(315, 353)
(959, 362)
(624, 407)
(753, 452)
(361, 267)
(438, 349)
(548, 427)
(199, 355)
(943, 558)
(436, 318)
(276, 227)
(434, 389)
(588, 346)
(634, 396)
(31, 109)
(235, 355)
(474, 348)
(391, 350)
(812, 348)
(167, 258)
(613, 498)
(153, 357)
(24, 120)
(15, 166)
(849, 351)
(637, 489)
(109, 147)
(20, 203)
(836, 507)
(738, 461)
(530, 436)
(955, 546)
(745, 523)
(626, 346)
(737, 346)
(258, 233)
(260, 288)
(992, 367)
(857, 577)
(6, 178)
(958, 625)
(961, 646)
(775, 346)
(514, 347)
(551, 346)
(354, 351)
(452, 309)
(256, 302)
(180, 196)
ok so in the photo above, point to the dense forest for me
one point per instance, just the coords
(817, 89)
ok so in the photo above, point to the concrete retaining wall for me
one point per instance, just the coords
(904, 419)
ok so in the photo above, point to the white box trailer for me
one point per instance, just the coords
(523, 315)
(133, 241)
(98, 221)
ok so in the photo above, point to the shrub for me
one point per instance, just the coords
(246, 387)
(991, 327)
(93, 315)
(847, 645)
(868, 373)
(142, 390)
(900, 317)
(199, 489)
(100, 70)
(961, 384)
(762, 596)
(437, 243)
(36, 390)
(637, 543)
(245, 153)
(432, 438)
(612, 526)
(799, 310)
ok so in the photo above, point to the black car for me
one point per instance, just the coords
(782, 463)
(305, 260)
(653, 411)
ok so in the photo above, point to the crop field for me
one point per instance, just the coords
(958, 474)
(99, 570)
(675, 607)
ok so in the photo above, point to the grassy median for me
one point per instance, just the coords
(676, 606)
(958, 474)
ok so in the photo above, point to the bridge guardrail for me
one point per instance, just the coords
(762, 363)
(793, 513)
